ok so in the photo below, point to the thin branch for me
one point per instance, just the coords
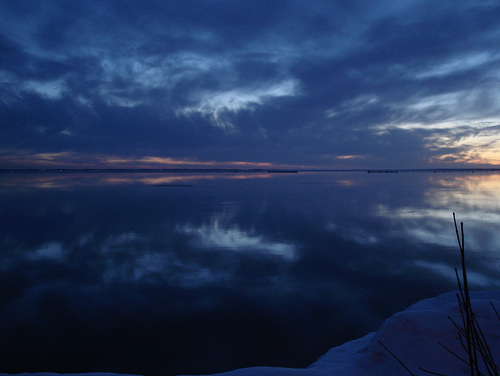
(395, 357)
(452, 353)
(432, 373)
(468, 323)
(496, 312)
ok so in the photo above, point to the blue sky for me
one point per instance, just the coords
(330, 84)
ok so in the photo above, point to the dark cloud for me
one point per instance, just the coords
(281, 81)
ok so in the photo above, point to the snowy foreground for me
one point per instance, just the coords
(412, 335)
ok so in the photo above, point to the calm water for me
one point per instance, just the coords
(166, 274)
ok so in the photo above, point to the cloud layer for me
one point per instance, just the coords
(394, 84)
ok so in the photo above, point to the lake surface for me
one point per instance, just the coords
(164, 274)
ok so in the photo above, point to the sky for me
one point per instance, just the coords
(249, 83)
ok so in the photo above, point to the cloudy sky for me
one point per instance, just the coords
(225, 83)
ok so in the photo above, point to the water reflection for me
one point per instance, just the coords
(477, 196)
(71, 180)
(476, 199)
(122, 273)
(220, 233)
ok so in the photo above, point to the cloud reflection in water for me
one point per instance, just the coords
(278, 268)
(216, 236)
(475, 199)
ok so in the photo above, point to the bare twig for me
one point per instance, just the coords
(395, 357)
(496, 312)
(475, 346)
(432, 373)
(452, 352)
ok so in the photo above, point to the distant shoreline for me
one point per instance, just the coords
(140, 170)
(233, 170)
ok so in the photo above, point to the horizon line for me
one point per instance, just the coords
(245, 170)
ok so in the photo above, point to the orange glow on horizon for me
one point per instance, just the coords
(478, 149)
(72, 160)
(483, 158)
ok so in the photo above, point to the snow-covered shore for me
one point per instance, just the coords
(412, 335)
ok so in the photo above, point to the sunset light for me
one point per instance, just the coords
(323, 86)
(248, 187)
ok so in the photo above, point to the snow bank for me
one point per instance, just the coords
(412, 335)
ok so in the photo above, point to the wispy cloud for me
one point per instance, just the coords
(290, 81)
(217, 105)
(460, 64)
(350, 157)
